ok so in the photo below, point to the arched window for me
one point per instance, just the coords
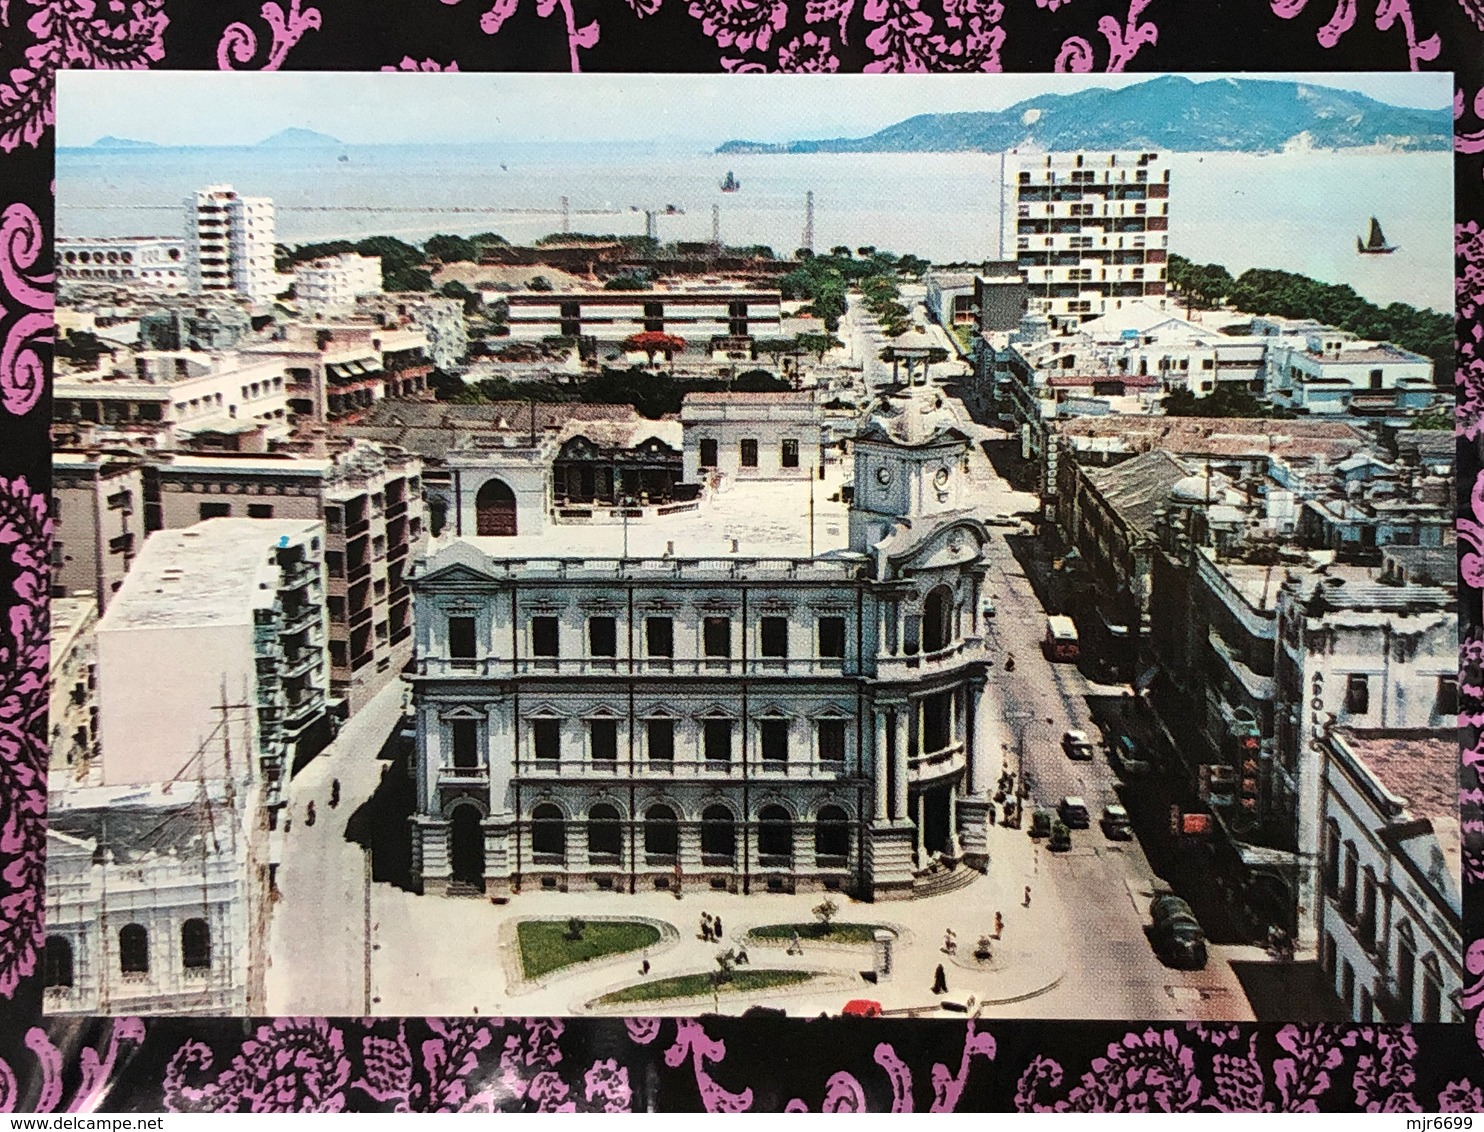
(775, 836)
(661, 832)
(604, 832)
(548, 831)
(831, 836)
(133, 950)
(937, 620)
(718, 836)
(1406, 969)
(58, 961)
(494, 509)
(195, 945)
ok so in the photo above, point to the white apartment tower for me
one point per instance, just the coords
(1090, 230)
(229, 243)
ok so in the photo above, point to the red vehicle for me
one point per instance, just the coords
(861, 1008)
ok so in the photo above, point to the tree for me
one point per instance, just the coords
(841, 251)
(626, 283)
(1440, 418)
(826, 912)
(540, 283)
(453, 289)
(451, 249)
(817, 344)
(912, 265)
(652, 342)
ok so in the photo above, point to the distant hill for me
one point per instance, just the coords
(108, 141)
(295, 138)
(1170, 113)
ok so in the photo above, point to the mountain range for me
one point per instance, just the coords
(292, 138)
(1170, 113)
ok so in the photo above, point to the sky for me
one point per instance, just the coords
(242, 108)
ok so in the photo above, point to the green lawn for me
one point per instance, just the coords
(695, 986)
(818, 933)
(544, 945)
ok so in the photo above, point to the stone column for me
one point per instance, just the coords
(921, 730)
(899, 810)
(955, 705)
(881, 767)
(955, 847)
(921, 829)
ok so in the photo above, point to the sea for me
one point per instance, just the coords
(1294, 211)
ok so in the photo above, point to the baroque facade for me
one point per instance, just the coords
(737, 712)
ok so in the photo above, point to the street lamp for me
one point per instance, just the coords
(1020, 719)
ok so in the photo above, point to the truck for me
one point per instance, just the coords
(1061, 638)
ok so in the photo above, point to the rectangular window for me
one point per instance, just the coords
(832, 637)
(1447, 696)
(1375, 379)
(717, 634)
(216, 510)
(832, 740)
(1357, 694)
(461, 638)
(748, 453)
(465, 743)
(604, 740)
(912, 633)
(662, 740)
(546, 735)
(708, 453)
(544, 636)
(717, 739)
(790, 453)
(659, 636)
(260, 510)
(775, 636)
(774, 737)
(602, 636)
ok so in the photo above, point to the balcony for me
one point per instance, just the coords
(910, 666)
(296, 662)
(504, 668)
(298, 618)
(935, 764)
(462, 775)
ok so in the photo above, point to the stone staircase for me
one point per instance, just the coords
(944, 881)
(463, 888)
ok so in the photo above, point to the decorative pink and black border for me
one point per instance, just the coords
(718, 1064)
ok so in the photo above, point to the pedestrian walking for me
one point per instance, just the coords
(999, 925)
(950, 942)
(940, 981)
(1026, 903)
(794, 946)
(716, 931)
(644, 965)
(742, 959)
(309, 815)
(334, 793)
(706, 926)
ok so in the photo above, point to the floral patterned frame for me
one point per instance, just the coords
(717, 1064)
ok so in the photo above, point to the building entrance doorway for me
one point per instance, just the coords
(937, 820)
(466, 847)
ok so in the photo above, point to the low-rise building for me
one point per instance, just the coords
(97, 507)
(73, 671)
(1342, 376)
(752, 436)
(336, 372)
(332, 284)
(153, 262)
(440, 318)
(700, 315)
(157, 900)
(1391, 915)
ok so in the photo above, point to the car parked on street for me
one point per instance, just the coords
(1076, 744)
(1041, 823)
(1115, 824)
(1073, 811)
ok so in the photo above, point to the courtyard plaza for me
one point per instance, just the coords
(335, 936)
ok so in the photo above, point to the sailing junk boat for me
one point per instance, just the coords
(730, 184)
(1377, 244)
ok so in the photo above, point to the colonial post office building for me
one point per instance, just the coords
(774, 692)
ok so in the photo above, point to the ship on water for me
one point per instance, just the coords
(729, 183)
(1376, 244)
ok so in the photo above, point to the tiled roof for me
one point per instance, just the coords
(1136, 488)
(1420, 766)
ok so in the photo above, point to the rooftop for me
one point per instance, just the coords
(1136, 488)
(70, 619)
(215, 573)
(1224, 436)
(1420, 767)
(751, 520)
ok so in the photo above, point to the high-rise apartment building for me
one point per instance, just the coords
(229, 243)
(1090, 231)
